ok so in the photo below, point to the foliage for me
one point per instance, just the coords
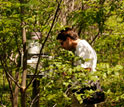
(103, 19)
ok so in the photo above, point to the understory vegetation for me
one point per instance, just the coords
(100, 22)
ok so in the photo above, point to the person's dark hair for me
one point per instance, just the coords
(67, 32)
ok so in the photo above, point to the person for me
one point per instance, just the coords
(70, 40)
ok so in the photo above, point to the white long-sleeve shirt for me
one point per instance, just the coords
(84, 50)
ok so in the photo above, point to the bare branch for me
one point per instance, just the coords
(55, 105)
(16, 82)
(95, 38)
(2, 105)
(8, 74)
(10, 85)
(32, 79)
(35, 99)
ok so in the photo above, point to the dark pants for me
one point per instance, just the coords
(97, 96)
(75, 103)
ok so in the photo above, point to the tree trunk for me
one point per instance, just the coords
(16, 92)
(23, 88)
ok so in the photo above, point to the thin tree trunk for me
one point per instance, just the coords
(23, 88)
(16, 92)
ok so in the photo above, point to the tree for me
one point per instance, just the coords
(98, 21)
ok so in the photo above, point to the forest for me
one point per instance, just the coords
(35, 78)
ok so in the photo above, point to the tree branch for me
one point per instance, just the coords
(8, 75)
(33, 101)
(9, 82)
(95, 38)
(33, 78)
